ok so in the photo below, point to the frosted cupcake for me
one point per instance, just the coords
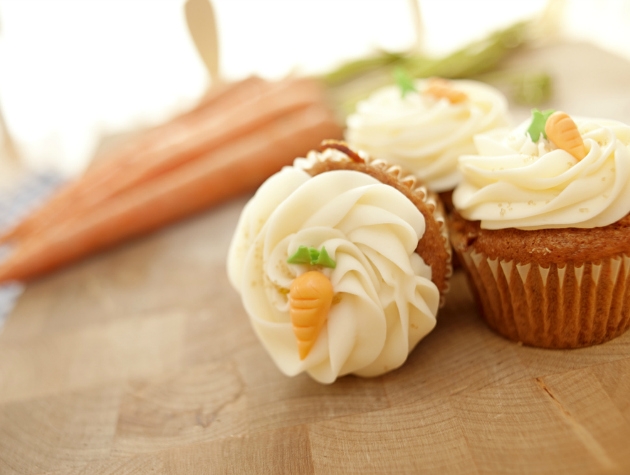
(341, 262)
(544, 232)
(425, 125)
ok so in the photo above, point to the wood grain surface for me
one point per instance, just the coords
(142, 361)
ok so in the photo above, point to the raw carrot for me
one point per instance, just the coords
(278, 100)
(108, 167)
(222, 96)
(236, 167)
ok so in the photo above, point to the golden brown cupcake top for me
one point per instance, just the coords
(544, 246)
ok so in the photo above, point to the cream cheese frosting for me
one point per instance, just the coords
(425, 134)
(514, 182)
(384, 299)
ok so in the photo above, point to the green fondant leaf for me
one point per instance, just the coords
(537, 127)
(301, 256)
(404, 81)
(325, 260)
(310, 255)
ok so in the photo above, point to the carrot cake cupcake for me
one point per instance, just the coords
(341, 262)
(542, 226)
(424, 125)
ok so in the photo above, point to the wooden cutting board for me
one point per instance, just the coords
(142, 361)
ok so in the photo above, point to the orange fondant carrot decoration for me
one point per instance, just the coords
(231, 169)
(441, 88)
(310, 298)
(562, 131)
(183, 141)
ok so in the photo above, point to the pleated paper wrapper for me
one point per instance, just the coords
(560, 306)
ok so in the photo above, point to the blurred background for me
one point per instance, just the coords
(73, 71)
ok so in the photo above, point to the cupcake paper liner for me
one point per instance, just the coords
(568, 306)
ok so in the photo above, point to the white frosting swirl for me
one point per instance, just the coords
(385, 301)
(423, 134)
(516, 183)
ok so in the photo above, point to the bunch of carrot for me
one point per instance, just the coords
(229, 144)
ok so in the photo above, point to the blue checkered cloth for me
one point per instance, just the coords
(14, 205)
